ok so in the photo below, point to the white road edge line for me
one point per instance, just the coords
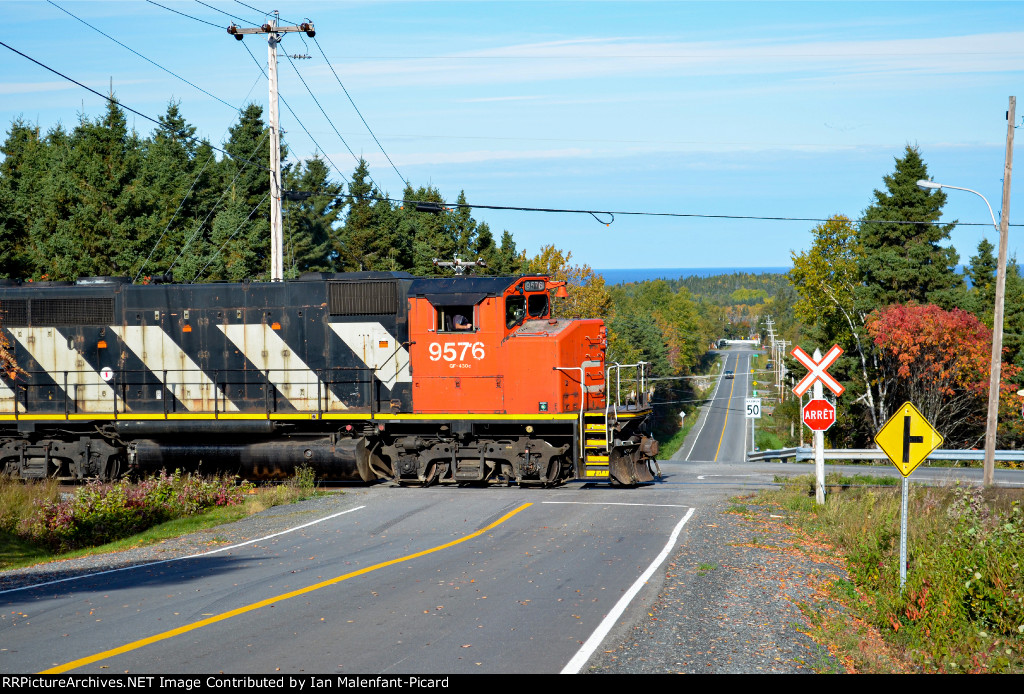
(583, 655)
(701, 477)
(613, 503)
(190, 556)
(707, 410)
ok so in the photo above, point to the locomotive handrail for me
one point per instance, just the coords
(173, 381)
(583, 402)
(640, 370)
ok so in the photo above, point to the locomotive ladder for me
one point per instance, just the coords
(595, 444)
(598, 425)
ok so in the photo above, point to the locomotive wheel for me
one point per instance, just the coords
(429, 475)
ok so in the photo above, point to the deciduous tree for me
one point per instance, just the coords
(938, 360)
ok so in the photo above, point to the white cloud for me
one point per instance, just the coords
(476, 156)
(609, 57)
(32, 87)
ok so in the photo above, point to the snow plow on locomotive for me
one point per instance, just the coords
(361, 376)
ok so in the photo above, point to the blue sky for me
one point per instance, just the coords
(765, 109)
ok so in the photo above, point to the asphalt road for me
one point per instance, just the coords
(394, 582)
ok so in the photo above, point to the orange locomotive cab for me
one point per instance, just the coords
(501, 390)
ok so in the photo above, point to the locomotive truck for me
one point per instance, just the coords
(361, 376)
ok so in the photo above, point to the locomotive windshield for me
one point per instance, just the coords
(537, 305)
(518, 308)
(515, 310)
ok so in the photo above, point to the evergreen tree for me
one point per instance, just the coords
(237, 245)
(179, 175)
(982, 272)
(432, 233)
(95, 205)
(309, 232)
(903, 262)
(22, 173)
(503, 259)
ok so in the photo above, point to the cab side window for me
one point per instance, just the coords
(455, 319)
(515, 311)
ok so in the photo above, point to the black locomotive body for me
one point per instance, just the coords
(329, 370)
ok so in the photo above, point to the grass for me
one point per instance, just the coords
(963, 606)
(23, 505)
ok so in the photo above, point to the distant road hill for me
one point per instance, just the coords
(622, 276)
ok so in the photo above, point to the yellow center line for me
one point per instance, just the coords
(270, 601)
(728, 405)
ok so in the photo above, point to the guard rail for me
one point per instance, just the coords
(807, 453)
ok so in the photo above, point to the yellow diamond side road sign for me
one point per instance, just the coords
(907, 438)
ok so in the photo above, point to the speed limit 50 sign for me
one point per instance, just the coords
(753, 408)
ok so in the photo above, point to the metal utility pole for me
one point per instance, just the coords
(274, 33)
(997, 319)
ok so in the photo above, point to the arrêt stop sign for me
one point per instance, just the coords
(819, 414)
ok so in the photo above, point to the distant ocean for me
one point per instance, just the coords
(620, 276)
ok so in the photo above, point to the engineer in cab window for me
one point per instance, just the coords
(460, 322)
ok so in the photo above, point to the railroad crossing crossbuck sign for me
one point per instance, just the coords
(818, 370)
(907, 438)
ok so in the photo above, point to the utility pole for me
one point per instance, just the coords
(997, 319)
(274, 33)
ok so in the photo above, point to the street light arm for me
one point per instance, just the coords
(932, 185)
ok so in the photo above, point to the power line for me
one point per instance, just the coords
(132, 110)
(215, 9)
(184, 15)
(152, 62)
(254, 9)
(224, 245)
(400, 176)
(442, 206)
(283, 100)
(294, 115)
(317, 102)
(215, 205)
(350, 100)
(263, 72)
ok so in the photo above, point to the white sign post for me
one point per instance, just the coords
(817, 373)
(753, 406)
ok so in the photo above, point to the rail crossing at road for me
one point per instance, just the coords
(817, 370)
(818, 414)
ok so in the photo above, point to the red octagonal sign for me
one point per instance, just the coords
(819, 414)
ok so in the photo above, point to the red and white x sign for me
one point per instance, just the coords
(818, 370)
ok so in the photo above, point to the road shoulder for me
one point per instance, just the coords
(734, 601)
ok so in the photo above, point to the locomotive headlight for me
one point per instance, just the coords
(529, 429)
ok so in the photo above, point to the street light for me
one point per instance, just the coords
(997, 334)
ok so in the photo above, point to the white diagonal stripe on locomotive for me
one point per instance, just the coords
(8, 401)
(378, 349)
(267, 350)
(54, 352)
(142, 390)
(179, 372)
(184, 313)
(282, 334)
